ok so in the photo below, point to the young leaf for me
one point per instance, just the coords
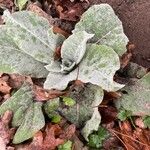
(20, 3)
(124, 114)
(73, 49)
(102, 21)
(27, 114)
(96, 139)
(136, 97)
(68, 101)
(65, 146)
(51, 106)
(32, 35)
(99, 66)
(146, 121)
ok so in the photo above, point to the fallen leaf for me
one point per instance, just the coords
(16, 80)
(4, 87)
(5, 132)
(68, 132)
(69, 10)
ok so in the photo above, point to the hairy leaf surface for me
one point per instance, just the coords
(85, 110)
(27, 116)
(137, 97)
(102, 21)
(99, 66)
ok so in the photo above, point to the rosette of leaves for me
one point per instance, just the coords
(27, 46)
(95, 62)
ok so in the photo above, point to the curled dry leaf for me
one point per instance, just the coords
(4, 87)
(69, 10)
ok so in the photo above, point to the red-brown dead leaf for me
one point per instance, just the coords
(40, 94)
(4, 87)
(69, 10)
(36, 9)
(7, 3)
(60, 31)
(108, 113)
(49, 139)
(5, 132)
(125, 59)
(68, 132)
(16, 80)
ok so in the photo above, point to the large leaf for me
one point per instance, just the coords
(32, 123)
(136, 97)
(27, 114)
(99, 66)
(31, 35)
(102, 21)
(12, 61)
(87, 99)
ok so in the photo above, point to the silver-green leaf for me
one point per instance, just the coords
(31, 35)
(27, 114)
(59, 80)
(136, 97)
(32, 123)
(87, 99)
(102, 21)
(99, 66)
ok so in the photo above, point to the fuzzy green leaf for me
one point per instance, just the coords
(27, 116)
(29, 36)
(59, 80)
(96, 139)
(87, 100)
(65, 146)
(136, 97)
(32, 34)
(102, 21)
(99, 66)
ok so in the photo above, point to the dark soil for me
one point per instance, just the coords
(135, 16)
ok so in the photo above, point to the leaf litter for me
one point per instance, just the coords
(54, 133)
